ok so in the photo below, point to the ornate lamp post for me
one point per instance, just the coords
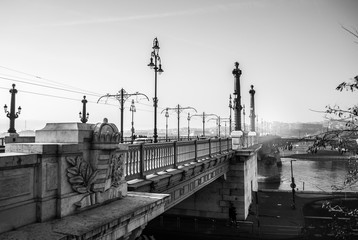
(12, 115)
(230, 106)
(243, 113)
(84, 117)
(133, 110)
(166, 124)
(155, 56)
(188, 118)
(293, 186)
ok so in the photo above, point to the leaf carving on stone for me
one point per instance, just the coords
(116, 172)
(80, 175)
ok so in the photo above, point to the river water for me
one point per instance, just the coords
(318, 175)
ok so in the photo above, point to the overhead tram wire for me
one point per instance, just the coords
(56, 88)
(72, 99)
(42, 78)
(13, 78)
(54, 96)
(62, 89)
(42, 82)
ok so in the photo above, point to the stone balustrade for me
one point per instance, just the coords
(146, 159)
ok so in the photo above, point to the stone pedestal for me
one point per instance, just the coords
(65, 133)
(237, 140)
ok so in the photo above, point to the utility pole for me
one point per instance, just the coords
(178, 109)
(225, 120)
(122, 97)
(204, 115)
(218, 123)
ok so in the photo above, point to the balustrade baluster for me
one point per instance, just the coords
(141, 166)
(209, 147)
(175, 154)
(220, 145)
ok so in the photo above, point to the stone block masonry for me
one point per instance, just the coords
(235, 187)
(70, 184)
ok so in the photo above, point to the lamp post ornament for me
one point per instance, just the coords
(84, 116)
(237, 101)
(12, 115)
(157, 60)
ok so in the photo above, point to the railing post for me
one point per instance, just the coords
(196, 150)
(209, 147)
(228, 144)
(175, 154)
(220, 145)
(141, 167)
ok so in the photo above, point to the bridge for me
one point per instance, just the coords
(76, 181)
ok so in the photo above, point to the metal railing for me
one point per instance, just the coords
(145, 159)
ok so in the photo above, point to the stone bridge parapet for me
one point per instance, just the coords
(70, 169)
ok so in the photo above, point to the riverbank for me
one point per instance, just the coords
(320, 155)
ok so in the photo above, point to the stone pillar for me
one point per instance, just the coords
(241, 182)
(237, 135)
(252, 109)
(237, 99)
(252, 133)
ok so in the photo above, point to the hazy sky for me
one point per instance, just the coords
(294, 52)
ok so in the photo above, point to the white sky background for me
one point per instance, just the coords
(294, 52)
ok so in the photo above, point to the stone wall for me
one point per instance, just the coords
(71, 169)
